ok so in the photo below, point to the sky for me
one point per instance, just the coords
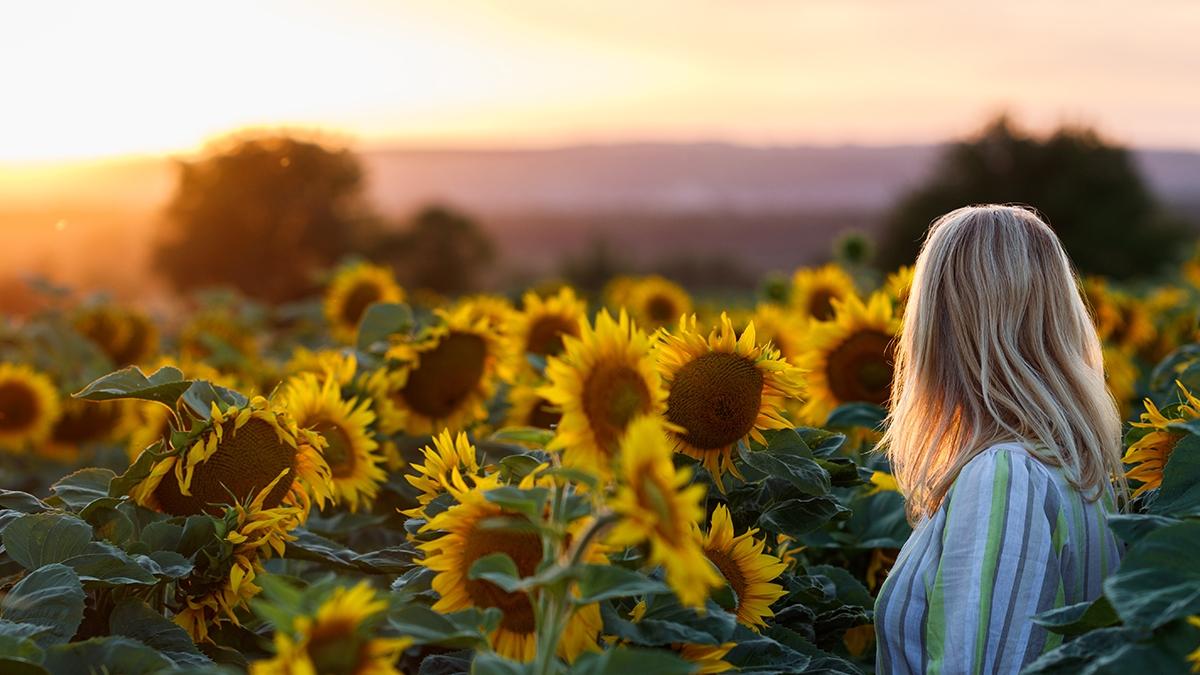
(86, 80)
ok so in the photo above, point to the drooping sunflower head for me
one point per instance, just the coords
(850, 358)
(898, 285)
(353, 289)
(722, 389)
(603, 380)
(449, 455)
(1148, 455)
(29, 407)
(654, 301)
(659, 505)
(255, 452)
(528, 408)
(339, 637)
(814, 290)
(349, 448)
(540, 326)
(441, 380)
(747, 569)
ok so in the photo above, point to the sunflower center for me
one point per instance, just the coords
(357, 300)
(446, 375)
(612, 396)
(18, 406)
(246, 461)
(525, 549)
(87, 421)
(335, 648)
(662, 309)
(860, 369)
(820, 304)
(546, 334)
(543, 415)
(716, 398)
(339, 451)
(730, 570)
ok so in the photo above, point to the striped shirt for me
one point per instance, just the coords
(1012, 539)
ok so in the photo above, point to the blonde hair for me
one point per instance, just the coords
(997, 345)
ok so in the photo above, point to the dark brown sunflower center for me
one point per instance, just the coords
(18, 406)
(339, 452)
(335, 648)
(543, 415)
(446, 375)
(525, 549)
(860, 369)
(716, 398)
(246, 461)
(357, 300)
(820, 304)
(546, 334)
(662, 309)
(612, 396)
(87, 421)
(730, 570)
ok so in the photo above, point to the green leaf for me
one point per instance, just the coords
(1121, 650)
(490, 663)
(135, 619)
(20, 648)
(849, 590)
(499, 569)
(624, 660)
(515, 467)
(83, 487)
(310, 546)
(1158, 580)
(787, 458)
(1180, 491)
(137, 472)
(796, 517)
(381, 320)
(535, 437)
(528, 502)
(667, 622)
(108, 521)
(165, 386)
(865, 415)
(50, 596)
(21, 501)
(1079, 618)
(468, 629)
(200, 396)
(108, 565)
(1132, 527)
(822, 443)
(41, 538)
(604, 582)
(878, 521)
(104, 655)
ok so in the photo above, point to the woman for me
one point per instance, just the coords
(1004, 440)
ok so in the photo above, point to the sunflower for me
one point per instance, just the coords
(1134, 327)
(882, 561)
(897, 286)
(349, 448)
(780, 326)
(746, 568)
(495, 309)
(658, 504)
(448, 455)
(654, 301)
(1121, 374)
(217, 331)
(29, 407)
(1148, 456)
(722, 390)
(353, 289)
(471, 530)
(528, 408)
(707, 658)
(335, 363)
(144, 423)
(243, 453)
(126, 336)
(1194, 657)
(603, 379)
(540, 326)
(815, 290)
(442, 380)
(81, 424)
(337, 639)
(850, 358)
(882, 481)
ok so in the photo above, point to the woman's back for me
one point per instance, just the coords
(1012, 539)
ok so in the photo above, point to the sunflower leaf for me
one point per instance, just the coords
(164, 386)
(50, 596)
(499, 569)
(134, 619)
(77, 490)
(622, 660)
(200, 396)
(39, 539)
(111, 654)
(604, 582)
(1158, 579)
(381, 320)
(797, 517)
(466, 629)
(527, 502)
(1180, 491)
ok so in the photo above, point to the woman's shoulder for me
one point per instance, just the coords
(1005, 467)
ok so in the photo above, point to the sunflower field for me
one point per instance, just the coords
(379, 481)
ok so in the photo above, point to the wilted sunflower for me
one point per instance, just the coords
(448, 455)
(337, 638)
(722, 390)
(815, 289)
(706, 658)
(782, 327)
(849, 359)
(442, 381)
(471, 530)
(350, 449)
(658, 505)
(528, 408)
(540, 326)
(746, 568)
(82, 424)
(654, 301)
(29, 407)
(604, 379)
(353, 289)
(1148, 456)
(897, 286)
(238, 455)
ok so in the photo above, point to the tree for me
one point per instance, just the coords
(263, 214)
(1089, 191)
(442, 250)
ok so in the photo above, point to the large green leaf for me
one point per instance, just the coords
(77, 490)
(38, 539)
(165, 386)
(134, 619)
(381, 320)
(1079, 618)
(605, 582)
(458, 630)
(311, 546)
(106, 655)
(1115, 651)
(624, 660)
(50, 596)
(200, 396)
(490, 663)
(1180, 491)
(499, 569)
(796, 517)
(528, 501)
(1158, 580)
(21, 501)
(108, 565)
(667, 622)
(786, 457)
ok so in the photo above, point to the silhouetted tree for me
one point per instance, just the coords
(264, 215)
(442, 250)
(1089, 191)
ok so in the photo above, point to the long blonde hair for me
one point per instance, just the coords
(997, 345)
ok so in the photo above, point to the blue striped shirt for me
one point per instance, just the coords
(1012, 539)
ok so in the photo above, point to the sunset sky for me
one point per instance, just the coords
(101, 79)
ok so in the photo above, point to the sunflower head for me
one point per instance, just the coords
(126, 336)
(541, 325)
(217, 331)
(850, 358)
(29, 407)
(352, 290)
(602, 381)
(1148, 455)
(746, 568)
(82, 424)
(815, 290)
(897, 286)
(528, 408)
(780, 326)
(722, 389)
(450, 456)
(654, 301)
